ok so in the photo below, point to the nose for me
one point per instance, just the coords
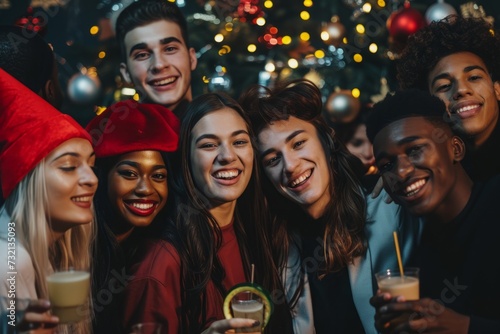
(158, 63)
(88, 177)
(226, 154)
(290, 163)
(405, 167)
(368, 151)
(462, 88)
(144, 186)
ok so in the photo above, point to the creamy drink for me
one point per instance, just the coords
(68, 292)
(250, 307)
(400, 286)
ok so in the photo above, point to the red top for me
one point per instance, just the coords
(154, 294)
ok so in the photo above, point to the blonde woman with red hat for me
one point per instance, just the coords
(48, 184)
(132, 142)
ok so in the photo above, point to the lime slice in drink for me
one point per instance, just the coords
(254, 289)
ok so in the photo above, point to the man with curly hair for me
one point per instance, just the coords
(458, 60)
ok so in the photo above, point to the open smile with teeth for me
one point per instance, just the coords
(301, 179)
(414, 188)
(467, 108)
(227, 174)
(82, 199)
(142, 206)
(163, 82)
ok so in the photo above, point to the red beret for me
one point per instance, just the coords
(129, 126)
(30, 128)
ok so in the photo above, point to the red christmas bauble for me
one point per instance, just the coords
(405, 22)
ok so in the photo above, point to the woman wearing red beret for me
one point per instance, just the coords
(46, 177)
(220, 229)
(131, 144)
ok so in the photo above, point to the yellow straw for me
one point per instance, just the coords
(251, 277)
(398, 253)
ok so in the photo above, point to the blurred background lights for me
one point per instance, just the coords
(101, 55)
(357, 58)
(360, 28)
(367, 7)
(305, 36)
(286, 40)
(251, 48)
(319, 54)
(261, 21)
(355, 92)
(308, 3)
(304, 15)
(94, 30)
(268, 4)
(373, 48)
(293, 63)
(270, 67)
(218, 38)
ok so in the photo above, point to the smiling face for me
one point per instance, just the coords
(221, 156)
(159, 63)
(419, 166)
(462, 81)
(137, 187)
(294, 160)
(71, 184)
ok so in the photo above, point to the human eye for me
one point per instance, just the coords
(170, 48)
(127, 173)
(140, 55)
(159, 176)
(385, 166)
(442, 87)
(241, 141)
(414, 151)
(298, 144)
(356, 142)
(207, 145)
(67, 168)
(271, 161)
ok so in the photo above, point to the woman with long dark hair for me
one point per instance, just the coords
(220, 229)
(132, 144)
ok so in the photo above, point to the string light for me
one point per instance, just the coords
(355, 92)
(94, 30)
(251, 48)
(319, 54)
(373, 48)
(261, 21)
(308, 3)
(268, 4)
(304, 15)
(367, 7)
(101, 55)
(219, 38)
(286, 40)
(357, 58)
(360, 28)
(293, 63)
(305, 36)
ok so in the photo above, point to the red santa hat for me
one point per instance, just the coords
(129, 126)
(30, 128)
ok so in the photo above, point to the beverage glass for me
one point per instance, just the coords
(249, 306)
(408, 286)
(147, 328)
(392, 282)
(68, 294)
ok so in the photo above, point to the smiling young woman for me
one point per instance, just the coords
(131, 203)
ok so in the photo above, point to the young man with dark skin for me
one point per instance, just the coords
(157, 59)
(419, 157)
(456, 59)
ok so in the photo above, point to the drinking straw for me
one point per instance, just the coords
(253, 270)
(398, 253)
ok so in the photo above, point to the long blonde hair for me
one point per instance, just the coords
(27, 206)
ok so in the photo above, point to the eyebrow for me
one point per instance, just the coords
(212, 136)
(137, 165)
(400, 142)
(163, 41)
(287, 139)
(466, 70)
(73, 154)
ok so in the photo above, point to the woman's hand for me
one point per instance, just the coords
(37, 317)
(223, 326)
(422, 316)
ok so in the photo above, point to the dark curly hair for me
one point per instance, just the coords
(451, 35)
